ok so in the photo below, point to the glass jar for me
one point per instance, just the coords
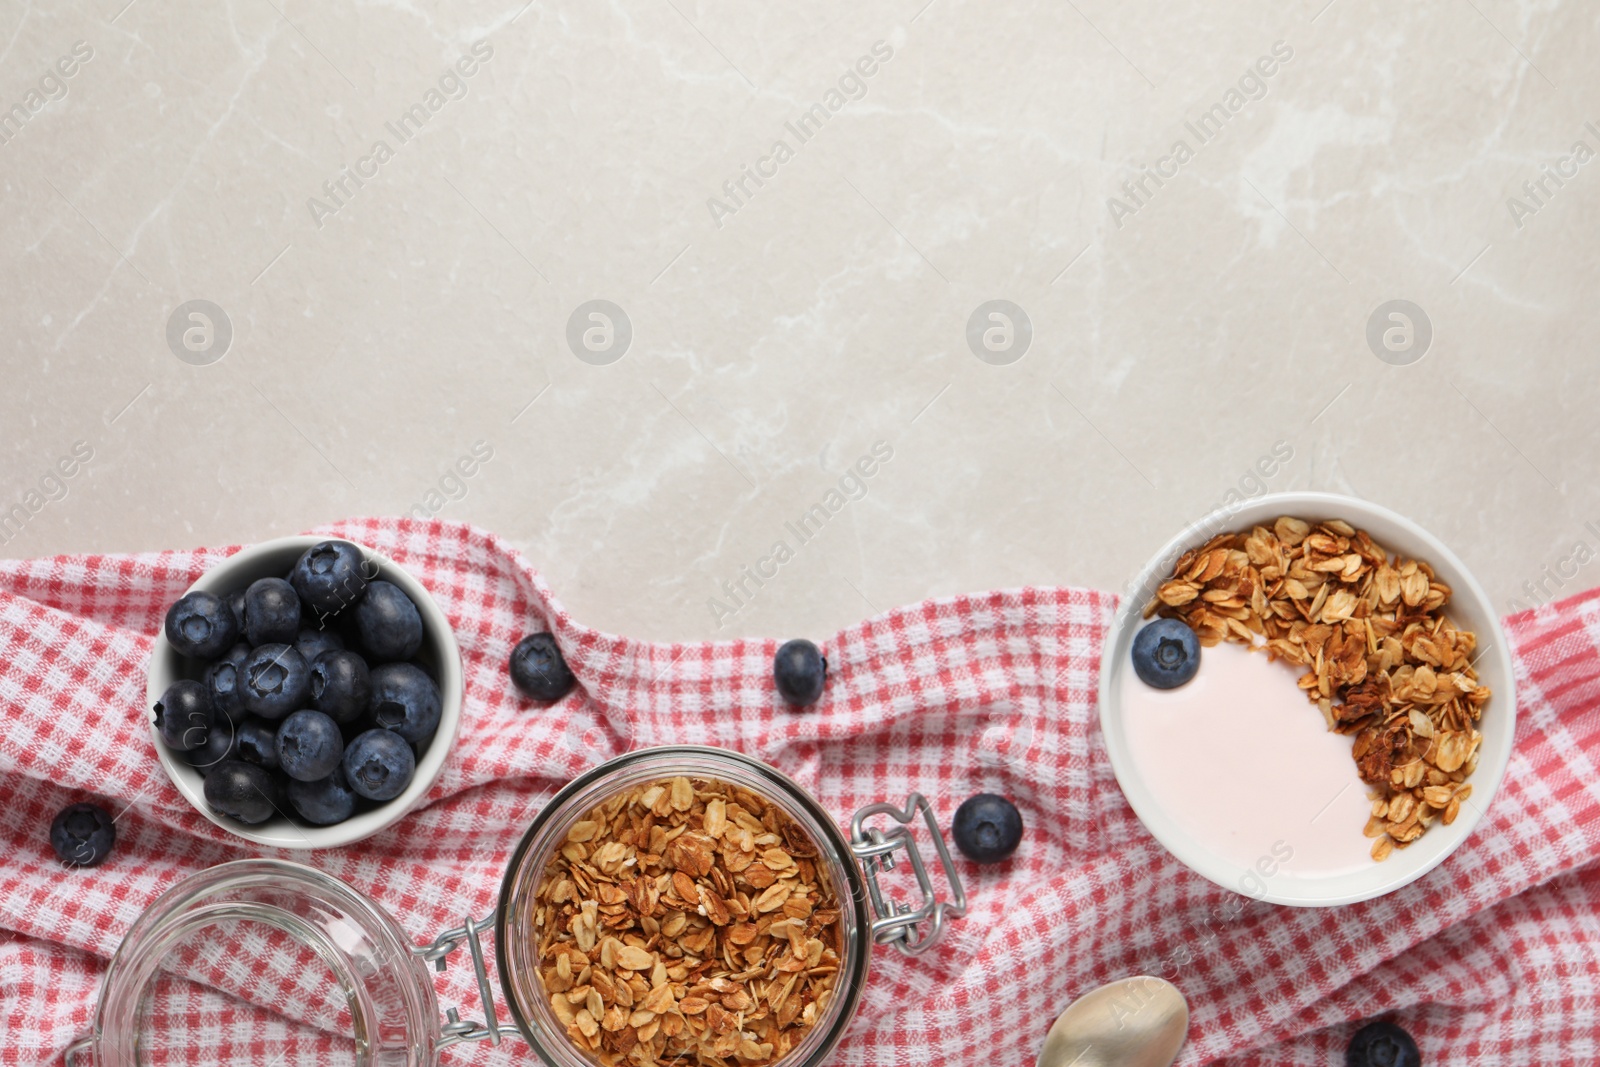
(359, 976)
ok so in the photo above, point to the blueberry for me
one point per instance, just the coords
(271, 612)
(222, 680)
(388, 622)
(539, 669)
(82, 835)
(404, 700)
(313, 642)
(236, 605)
(799, 670)
(379, 764)
(184, 714)
(278, 792)
(309, 745)
(331, 576)
(258, 743)
(241, 791)
(274, 681)
(987, 828)
(1382, 1044)
(340, 685)
(1166, 653)
(324, 801)
(201, 625)
(222, 742)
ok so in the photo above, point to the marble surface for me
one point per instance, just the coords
(395, 210)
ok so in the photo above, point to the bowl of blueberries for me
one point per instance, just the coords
(305, 693)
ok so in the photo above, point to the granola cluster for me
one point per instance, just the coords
(1383, 662)
(687, 921)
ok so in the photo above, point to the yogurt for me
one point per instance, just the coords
(1245, 764)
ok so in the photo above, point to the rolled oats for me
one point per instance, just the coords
(1383, 662)
(687, 921)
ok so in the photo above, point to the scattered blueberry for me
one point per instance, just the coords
(275, 681)
(271, 612)
(987, 828)
(184, 714)
(82, 835)
(313, 642)
(258, 743)
(799, 669)
(324, 801)
(331, 576)
(241, 791)
(404, 699)
(379, 764)
(388, 622)
(1166, 653)
(201, 625)
(340, 685)
(309, 745)
(222, 680)
(222, 742)
(539, 669)
(1382, 1044)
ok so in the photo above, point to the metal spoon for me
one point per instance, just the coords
(1134, 1022)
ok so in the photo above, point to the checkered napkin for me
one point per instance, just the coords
(1494, 958)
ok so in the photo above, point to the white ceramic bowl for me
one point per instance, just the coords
(1469, 609)
(439, 654)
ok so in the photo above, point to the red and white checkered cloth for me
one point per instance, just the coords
(1494, 958)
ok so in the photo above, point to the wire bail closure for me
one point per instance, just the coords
(911, 930)
(457, 1030)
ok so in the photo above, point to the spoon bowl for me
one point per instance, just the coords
(1133, 1022)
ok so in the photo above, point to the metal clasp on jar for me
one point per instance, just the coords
(912, 930)
(455, 1029)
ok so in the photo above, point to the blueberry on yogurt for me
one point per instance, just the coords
(1166, 654)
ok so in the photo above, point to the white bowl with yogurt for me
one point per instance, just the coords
(1236, 773)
